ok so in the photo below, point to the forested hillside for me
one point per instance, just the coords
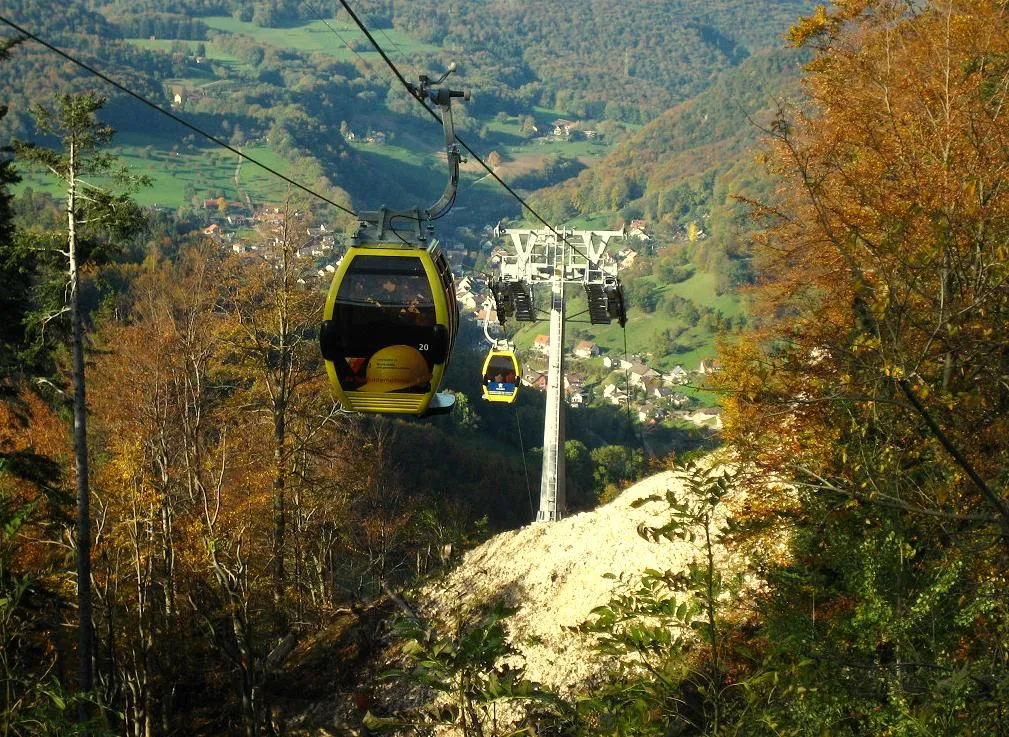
(608, 58)
(694, 161)
(620, 60)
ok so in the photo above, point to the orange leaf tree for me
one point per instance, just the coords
(875, 377)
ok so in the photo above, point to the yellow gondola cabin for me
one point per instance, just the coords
(501, 376)
(388, 328)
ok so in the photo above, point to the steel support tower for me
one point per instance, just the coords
(559, 258)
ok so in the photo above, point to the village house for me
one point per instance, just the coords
(663, 393)
(466, 299)
(586, 349)
(679, 401)
(272, 216)
(181, 95)
(638, 373)
(636, 229)
(577, 395)
(709, 366)
(312, 250)
(706, 417)
(616, 363)
(541, 344)
(614, 394)
(533, 378)
(678, 376)
(563, 128)
(626, 257)
(238, 221)
(482, 314)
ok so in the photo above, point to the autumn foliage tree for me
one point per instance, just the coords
(99, 223)
(875, 380)
(234, 507)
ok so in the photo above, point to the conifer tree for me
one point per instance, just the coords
(97, 222)
(12, 286)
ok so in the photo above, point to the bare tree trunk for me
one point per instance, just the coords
(85, 632)
(279, 502)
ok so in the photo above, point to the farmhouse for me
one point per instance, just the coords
(678, 375)
(709, 366)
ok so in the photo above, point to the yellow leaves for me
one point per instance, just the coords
(865, 342)
(809, 27)
(892, 371)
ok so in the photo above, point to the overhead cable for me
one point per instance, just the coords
(412, 89)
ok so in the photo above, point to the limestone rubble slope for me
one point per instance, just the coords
(556, 573)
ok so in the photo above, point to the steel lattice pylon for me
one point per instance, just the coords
(559, 258)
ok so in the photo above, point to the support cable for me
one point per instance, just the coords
(413, 92)
(525, 468)
(627, 383)
(173, 116)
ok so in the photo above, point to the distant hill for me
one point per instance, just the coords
(690, 160)
(617, 59)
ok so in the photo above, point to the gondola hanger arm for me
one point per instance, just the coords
(377, 223)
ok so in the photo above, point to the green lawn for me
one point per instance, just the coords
(213, 52)
(317, 36)
(392, 152)
(209, 169)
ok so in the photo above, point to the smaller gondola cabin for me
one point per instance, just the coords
(501, 376)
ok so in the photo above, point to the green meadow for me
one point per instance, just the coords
(213, 52)
(210, 171)
(329, 37)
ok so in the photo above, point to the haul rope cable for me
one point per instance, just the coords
(525, 468)
(413, 92)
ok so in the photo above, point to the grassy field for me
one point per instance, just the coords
(212, 52)
(209, 169)
(329, 37)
